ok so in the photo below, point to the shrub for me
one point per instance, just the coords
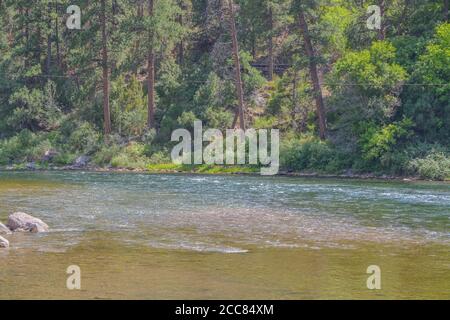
(106, 154)
(85, 139)
(435, 166)
(132, 156)
(26, 146)
(64, 158)
(160, 157)
(376, 142)
(307, 154)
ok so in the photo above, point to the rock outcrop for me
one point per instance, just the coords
(4, 243)
(20, 221)
(4, 230)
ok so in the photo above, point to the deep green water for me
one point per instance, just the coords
(223, 237)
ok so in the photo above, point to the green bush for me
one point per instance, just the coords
(64, 158)
(435, 166)
(160, 157)
(85, 139)
(26, 146)
(106, 153)
(376, 142)
(132, 156)
(307, 154)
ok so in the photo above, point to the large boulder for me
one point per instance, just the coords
(4, 230)
(20, 221)
(3, 242)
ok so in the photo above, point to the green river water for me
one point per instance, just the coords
(141, 236)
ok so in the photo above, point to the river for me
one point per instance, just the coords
(142, 236)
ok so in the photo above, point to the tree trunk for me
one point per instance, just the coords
(382, 31)
(151, 75)
(137, 45)
(58, 52)
(49, 42)
(295, 107)
(271, 59)
(320, 106)
(106, 110)
(181, 43)
(237, 64)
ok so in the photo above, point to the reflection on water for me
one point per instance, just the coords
(181, 236)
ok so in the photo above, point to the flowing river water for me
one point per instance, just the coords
(142, 236)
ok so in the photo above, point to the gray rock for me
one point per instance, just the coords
(31, 166)
(37, 228)
(81, 162)
(4, 229)
(4, 243)
(20, 221)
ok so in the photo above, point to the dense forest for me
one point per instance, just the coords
(346, 98)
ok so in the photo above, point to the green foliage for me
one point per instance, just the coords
(84, 140)
(434, 166)
(307, 154)
(132, 156)
(387, 102)
(64, 158)
(34, 109)
(427, 101)
(129, 107)
(376, 142)
(106, 154)
(373, 76)
(24, 147)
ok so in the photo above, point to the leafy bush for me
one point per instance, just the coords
(105, 155)
(26, 146)
(132, 156)
(64, 158)
(435, 166)
(376, 142)
(160, 157)
(34, 109)
(307, 154)
(85, 139)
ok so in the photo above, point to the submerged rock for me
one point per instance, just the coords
(4, 229)
(20, 221)
(4, 243)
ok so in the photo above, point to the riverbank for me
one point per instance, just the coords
(214, 170)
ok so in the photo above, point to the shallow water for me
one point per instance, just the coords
(223, 237)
